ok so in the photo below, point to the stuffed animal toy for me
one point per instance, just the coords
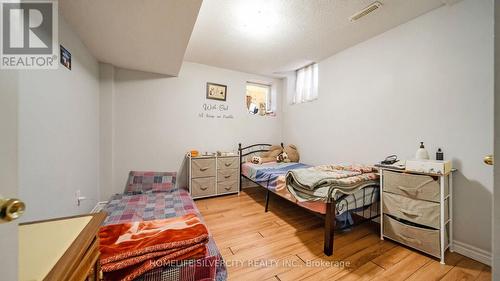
(268, 156)
(292, 153)
(256, 160)
(276, 153)
(283, 157)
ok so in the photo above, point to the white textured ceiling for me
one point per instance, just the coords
(146, 35)
(271, 37)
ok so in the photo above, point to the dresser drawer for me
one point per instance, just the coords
(203, 187)
(227, 175)
(417, 211)
(423, 239)
(227, 187)
(228, 163)
(414, 186)
(203, 167)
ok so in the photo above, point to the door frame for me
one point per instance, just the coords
(495, 263)
(9, 100)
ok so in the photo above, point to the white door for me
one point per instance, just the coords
(8, 170)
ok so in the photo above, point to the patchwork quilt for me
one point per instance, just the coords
(144, 182)
(126, 208)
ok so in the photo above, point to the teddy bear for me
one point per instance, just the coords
(278, 154)
(289, 154)
(256, 159)
(292, 153)
(282, 157)
(268, 156)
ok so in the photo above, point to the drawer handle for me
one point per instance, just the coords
(227, 188)
(409, 213)
(203, 169)
(416, 188)
(203, 187)
(228, 176)
(409, 239)
(227, 164)
(409, 189)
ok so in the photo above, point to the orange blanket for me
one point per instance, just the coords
(129, 250)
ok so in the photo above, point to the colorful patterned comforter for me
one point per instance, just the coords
(123, 208)
(272, 176)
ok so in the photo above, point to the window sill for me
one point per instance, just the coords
(307, 101)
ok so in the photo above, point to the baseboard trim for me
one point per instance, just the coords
(472, 252)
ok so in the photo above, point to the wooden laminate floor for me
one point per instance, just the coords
(287, 244)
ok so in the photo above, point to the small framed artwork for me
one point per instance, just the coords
(216, 91)
(65, 57)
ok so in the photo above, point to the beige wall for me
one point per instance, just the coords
(156, 119)
(429, 80)
(59, 134)
(106, 132)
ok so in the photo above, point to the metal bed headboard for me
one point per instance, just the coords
(251, 149)
(263, 148)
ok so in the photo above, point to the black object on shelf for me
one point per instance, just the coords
(439, 154)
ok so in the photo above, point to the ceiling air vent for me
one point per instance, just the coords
(372, 7)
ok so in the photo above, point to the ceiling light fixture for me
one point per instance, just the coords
(256, 18)
(372, 7)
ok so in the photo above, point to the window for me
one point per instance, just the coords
(306, 84)
(259, 99)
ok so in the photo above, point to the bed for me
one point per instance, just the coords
(175, 202)
(340, 211)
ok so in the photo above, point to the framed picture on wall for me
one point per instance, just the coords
(65, 57)
(216, 91)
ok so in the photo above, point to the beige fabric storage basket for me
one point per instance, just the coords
(227, 187)
(414, 186)
(426, 240)
(228, 162)
(203, 186)
(227, 175)
(203, 168)
(417, 211)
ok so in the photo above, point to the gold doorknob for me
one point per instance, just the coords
(488, 160)
(11, 209)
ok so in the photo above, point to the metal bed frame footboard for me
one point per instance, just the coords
(365, 212)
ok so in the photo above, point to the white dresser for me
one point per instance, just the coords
(416, 210)
(213, 175)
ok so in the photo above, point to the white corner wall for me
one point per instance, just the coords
(59, 134)
(429, 80)
(106, 90)
(155, 119)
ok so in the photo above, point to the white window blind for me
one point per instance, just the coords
(306, 84)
